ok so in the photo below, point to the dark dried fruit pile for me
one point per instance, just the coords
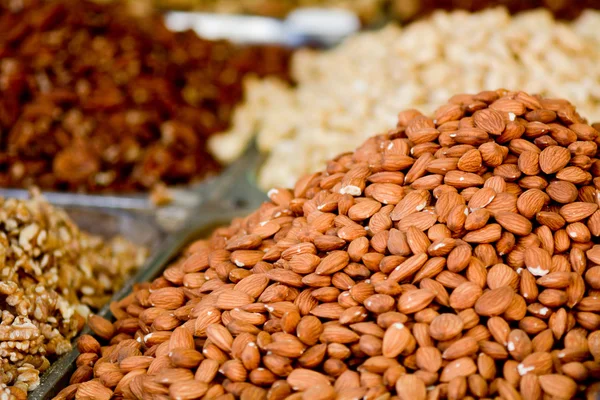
(453, 257)
(94, 100)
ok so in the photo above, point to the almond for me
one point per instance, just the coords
(253, 285)
(538, 363)
(187, 390)
(135, 362)
(93, 390)
(421, 220)
(529, 162)
(537, 261)
(82, 374)
(413, 202)
(514, 223)
(465, 296)
(460, 367)
(492, 154)
(531, 202)
(386, 193)
(428, 358)
(460, 179)
(495, 301)
(408, 268)
(88, 344)
(553, 159)
(461, 348)
(558, 386)
(333, 262)
(489, 120)
(442, 165)
(488, 234)
(168, 298)
(101, 326)
(410, 387)
(501, 275)
(363, 210)
(577, 211)
(220, 336)
(445, 326)
(481, 198)
(471, 161)
(302, 379)
(415, 300)
(206, 317)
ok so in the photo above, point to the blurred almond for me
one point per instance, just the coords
(495, 301)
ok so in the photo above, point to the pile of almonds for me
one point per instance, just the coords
(452, 257)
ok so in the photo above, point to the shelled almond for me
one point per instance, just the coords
(453, 257)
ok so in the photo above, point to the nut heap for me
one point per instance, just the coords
(51, 275)
(449, 258)
(92, 99)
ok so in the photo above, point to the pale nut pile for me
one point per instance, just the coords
(451, 258)
(51, 276)
(346, 94)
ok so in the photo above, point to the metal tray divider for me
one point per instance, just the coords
(233, 189)
(236, 185)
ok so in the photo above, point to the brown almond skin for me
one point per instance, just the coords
(495, 301)
(514, 223)
(440, 260)
(88, 344)
(101, 327)
(82, 374)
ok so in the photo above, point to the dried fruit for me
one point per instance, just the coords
(120, 104)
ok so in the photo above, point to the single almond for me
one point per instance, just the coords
(301, 379)
(397, 337)
(410, 387)
(553, 159)
(101, 326)
(495, 301)
(514, 223)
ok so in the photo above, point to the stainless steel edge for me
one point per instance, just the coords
(128, 201)
(108, 223)
(237, 184)
(234, 189)
(324, 27)
(58, 375)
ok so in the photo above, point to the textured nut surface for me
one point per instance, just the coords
(52, 275)
(402, 300)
